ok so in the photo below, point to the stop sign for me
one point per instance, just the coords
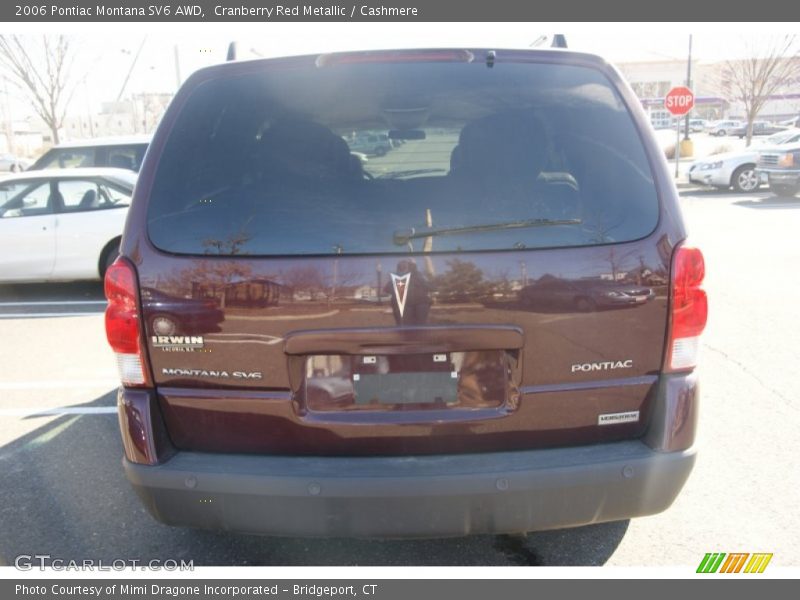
(679, 100)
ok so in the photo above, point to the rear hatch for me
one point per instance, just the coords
(495, 279)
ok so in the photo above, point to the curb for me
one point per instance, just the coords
(691, 187)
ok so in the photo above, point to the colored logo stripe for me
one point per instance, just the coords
(713, 562)
(734, 562)
(758, 563)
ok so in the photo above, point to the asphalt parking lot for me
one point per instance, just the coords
(64, 494)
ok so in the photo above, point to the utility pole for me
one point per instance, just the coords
(130, 70)
(379, 273)
(177, 68)
(9, 124)
(689, 85)
(135, 114)
(88, 109)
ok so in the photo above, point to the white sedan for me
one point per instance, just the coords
(737, 170)
(62, 224)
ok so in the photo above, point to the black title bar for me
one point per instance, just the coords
(397, 10)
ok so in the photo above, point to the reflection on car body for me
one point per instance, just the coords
(179, 315)
(584, 295)
(370, 143)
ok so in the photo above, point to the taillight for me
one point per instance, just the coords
(122, 323)
(689, 308)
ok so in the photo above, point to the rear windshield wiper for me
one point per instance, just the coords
(403, 236)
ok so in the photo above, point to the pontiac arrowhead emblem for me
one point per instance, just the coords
(400, 285)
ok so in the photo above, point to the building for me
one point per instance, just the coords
(138, 114)
(651, 80)
(21, 138)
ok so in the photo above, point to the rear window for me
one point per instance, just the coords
(123, 157)
(120, 157)
(370, 158)
(67, 158)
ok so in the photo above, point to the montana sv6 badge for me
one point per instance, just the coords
(211, 373)
(603, 366)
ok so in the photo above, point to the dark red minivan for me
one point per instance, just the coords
(491, 326)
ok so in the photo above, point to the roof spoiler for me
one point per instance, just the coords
(559, 41)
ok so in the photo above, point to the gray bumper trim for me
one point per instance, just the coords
(504, 492)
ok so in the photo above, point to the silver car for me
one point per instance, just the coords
(723, 128)
(737, 170)
(12, 164)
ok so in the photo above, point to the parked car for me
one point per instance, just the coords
(781, 165)
(61, 225)
(723, 128)
(370, 144)
(115, 152)
(697, 125)
(452, 409)
(737, 170)
(12, 164)
(187, 314)
(759, 128)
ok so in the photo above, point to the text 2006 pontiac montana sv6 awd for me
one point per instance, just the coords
(492, 326)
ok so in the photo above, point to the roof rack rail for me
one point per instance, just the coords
(559, 41)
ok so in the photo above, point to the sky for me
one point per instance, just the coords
(106, 51)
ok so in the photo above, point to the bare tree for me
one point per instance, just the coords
(772, 64)
(308, 278)
(41, 70)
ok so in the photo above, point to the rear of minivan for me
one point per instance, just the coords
(492, 327)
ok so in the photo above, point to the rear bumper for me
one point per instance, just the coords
(715, 177)
(412, 496)
(777, 176)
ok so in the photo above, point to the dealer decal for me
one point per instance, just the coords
(177, 342)
(616, 418)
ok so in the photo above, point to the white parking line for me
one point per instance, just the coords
(54, 302)
(54, 412)
(72, 384)
(322, 315)
(243, 334)
(246, 341)
(244, 338)
(36, 315)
